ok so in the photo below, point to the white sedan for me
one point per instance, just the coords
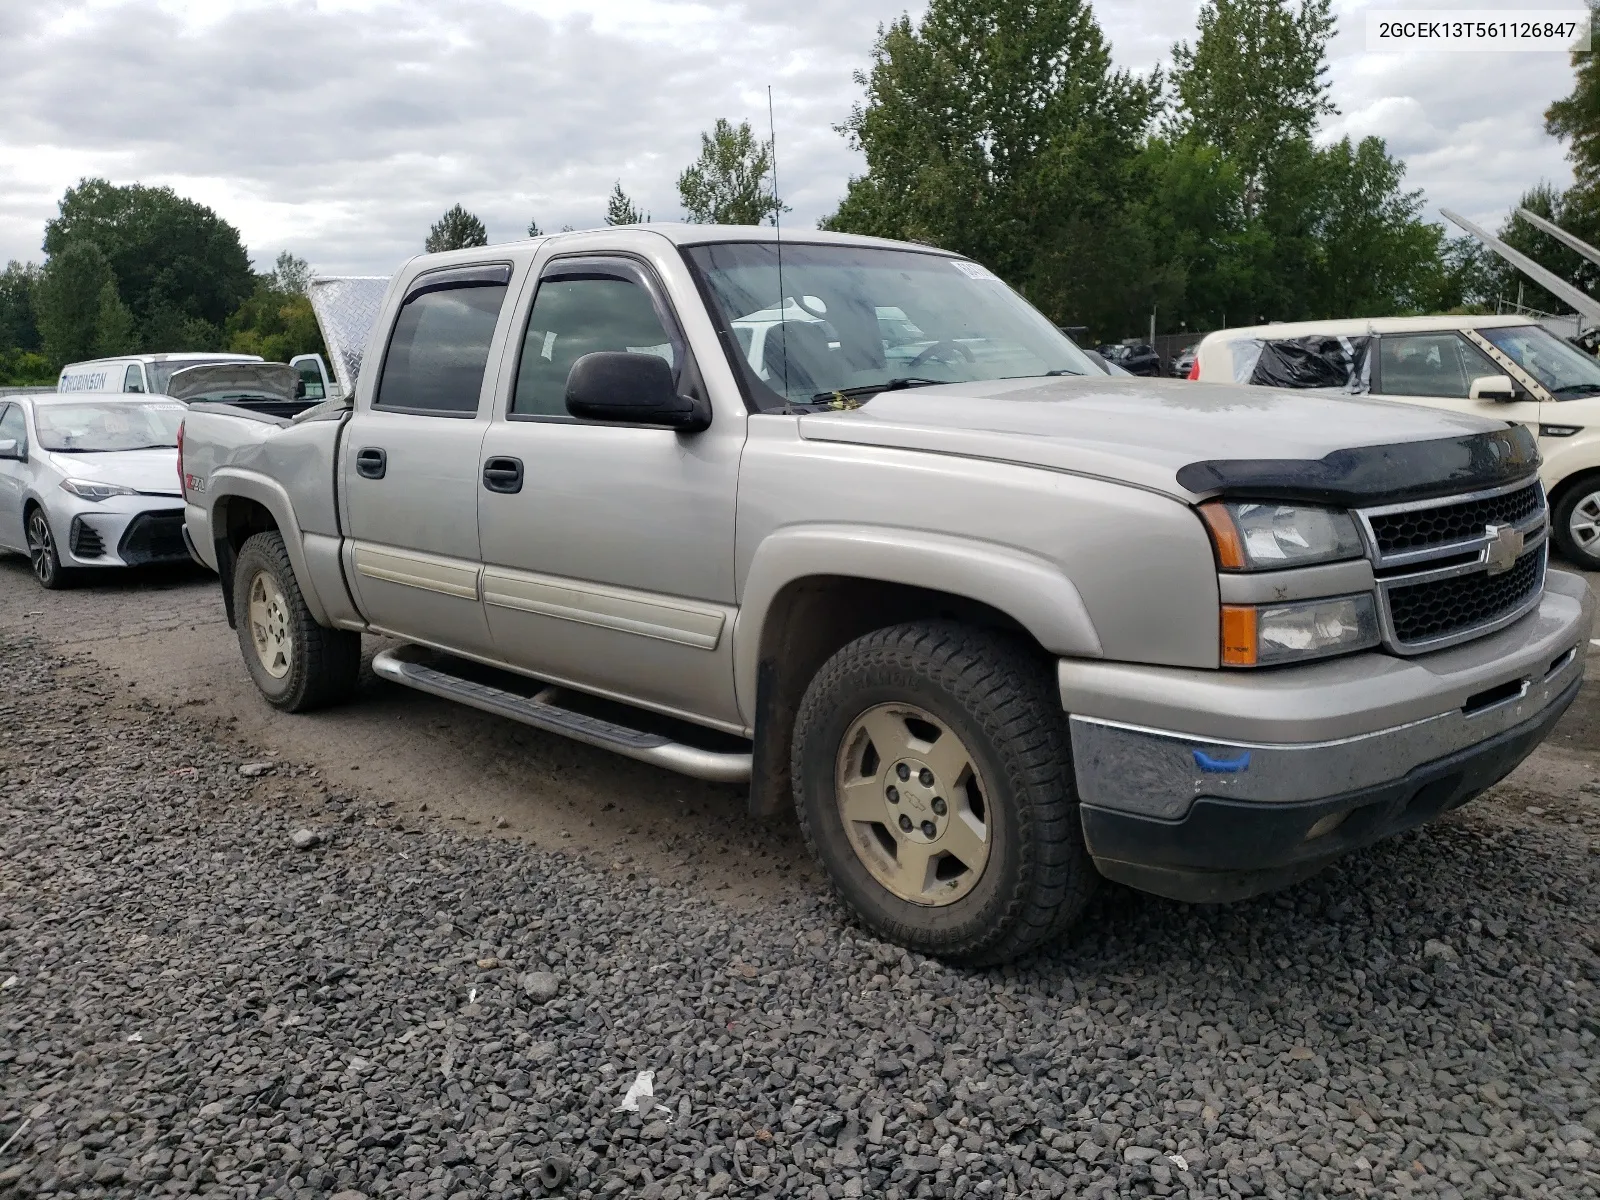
(90, 481)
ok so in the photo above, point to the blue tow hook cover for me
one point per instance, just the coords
(1216, 765)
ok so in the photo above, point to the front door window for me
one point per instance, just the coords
(1431, 364)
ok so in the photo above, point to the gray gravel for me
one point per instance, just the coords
(189, 1003)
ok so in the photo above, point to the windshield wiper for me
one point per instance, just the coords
(1575, 391)
(899, 383)
(113, 449)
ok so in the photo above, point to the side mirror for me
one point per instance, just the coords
(633, 389)
(9, 448)
(1498, 388)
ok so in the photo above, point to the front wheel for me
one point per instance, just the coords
(42, 554)
(1576, 523)
(933, 782)
(297, 664)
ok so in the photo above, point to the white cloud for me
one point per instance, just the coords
(340, 129)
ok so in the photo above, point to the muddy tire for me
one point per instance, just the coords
(297, 664)
(933, 782)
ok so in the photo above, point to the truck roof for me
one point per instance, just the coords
(1349, 326)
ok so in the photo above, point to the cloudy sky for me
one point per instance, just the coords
(340, 129)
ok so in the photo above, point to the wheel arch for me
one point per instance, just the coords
(813, 590)
(248, 504)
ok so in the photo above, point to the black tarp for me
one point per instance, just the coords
(1317, 361)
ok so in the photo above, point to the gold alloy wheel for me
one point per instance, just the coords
(913, 804)
(268, 615)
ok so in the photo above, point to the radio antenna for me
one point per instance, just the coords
(777, 225)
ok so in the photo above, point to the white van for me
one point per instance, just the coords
(136, 372)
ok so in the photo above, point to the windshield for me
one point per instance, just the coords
(161, 373)
(119, 425)
(854, 320)
(1565, 371)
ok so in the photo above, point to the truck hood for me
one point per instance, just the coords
(1132, 430)
(153, 472)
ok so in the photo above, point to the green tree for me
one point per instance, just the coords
(69, 302)
(534, 230)
(727, 184)
(998, 128)
(620, 210)
(291, 274)
(115, 332)
(18, 328)
(174, 260)
(275, 323)
(456, 230)
(1575, 119)
(1255, 79)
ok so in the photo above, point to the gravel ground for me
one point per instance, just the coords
(189, 1003)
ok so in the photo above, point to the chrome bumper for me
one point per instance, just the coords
(1221, 734)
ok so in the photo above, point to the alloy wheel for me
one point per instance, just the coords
(268, 614)
(41, 548)
(1584, 524)
(913, 804)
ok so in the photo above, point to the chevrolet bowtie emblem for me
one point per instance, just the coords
(1503, 550)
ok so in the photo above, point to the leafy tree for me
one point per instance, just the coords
(998, 128)
(1575, 119)
(456, 230)
(534, 230)
(1255, 79)
(18, 328)
(291, 275)
(174, 260)
(622, 211)
(69, 302)
(115, 332)
(728, 184)
(275, 323)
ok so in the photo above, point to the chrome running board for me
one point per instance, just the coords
(540, 712)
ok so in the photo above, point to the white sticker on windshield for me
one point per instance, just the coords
(972, 270)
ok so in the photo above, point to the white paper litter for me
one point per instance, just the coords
(1178, 1161)
(641, 1095)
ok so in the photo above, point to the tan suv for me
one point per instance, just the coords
(1506, 367)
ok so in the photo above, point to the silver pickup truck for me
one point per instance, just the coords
(850, 521)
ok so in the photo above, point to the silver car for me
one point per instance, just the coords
(90, 481)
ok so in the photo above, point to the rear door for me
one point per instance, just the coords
(1437, 369)
(409, 460)
(608, 549)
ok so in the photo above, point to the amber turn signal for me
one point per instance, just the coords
(1238, 635)
(1224, 535)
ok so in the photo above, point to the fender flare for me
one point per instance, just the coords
(1031, 590)
(235, 483)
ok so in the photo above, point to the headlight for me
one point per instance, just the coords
(88, 489)
(1251, 536)
(1268, 634)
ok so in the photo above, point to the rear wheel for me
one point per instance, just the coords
(42, 554)
(1576, 523)
(297, 664)
(933, 783)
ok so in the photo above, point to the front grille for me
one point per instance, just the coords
(84, 540)
(154, 537)
(1423, 612)
(1421, 528)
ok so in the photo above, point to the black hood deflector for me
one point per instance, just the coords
(1371, 475)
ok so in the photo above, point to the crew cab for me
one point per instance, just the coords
(993, 623)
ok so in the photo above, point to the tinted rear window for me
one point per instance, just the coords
(439, 349)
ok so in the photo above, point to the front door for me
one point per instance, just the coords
(1437, 369)
(13, 477)
(409, 462)
(608, 549)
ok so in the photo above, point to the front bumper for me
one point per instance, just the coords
(124, 531)
(1188, 811)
